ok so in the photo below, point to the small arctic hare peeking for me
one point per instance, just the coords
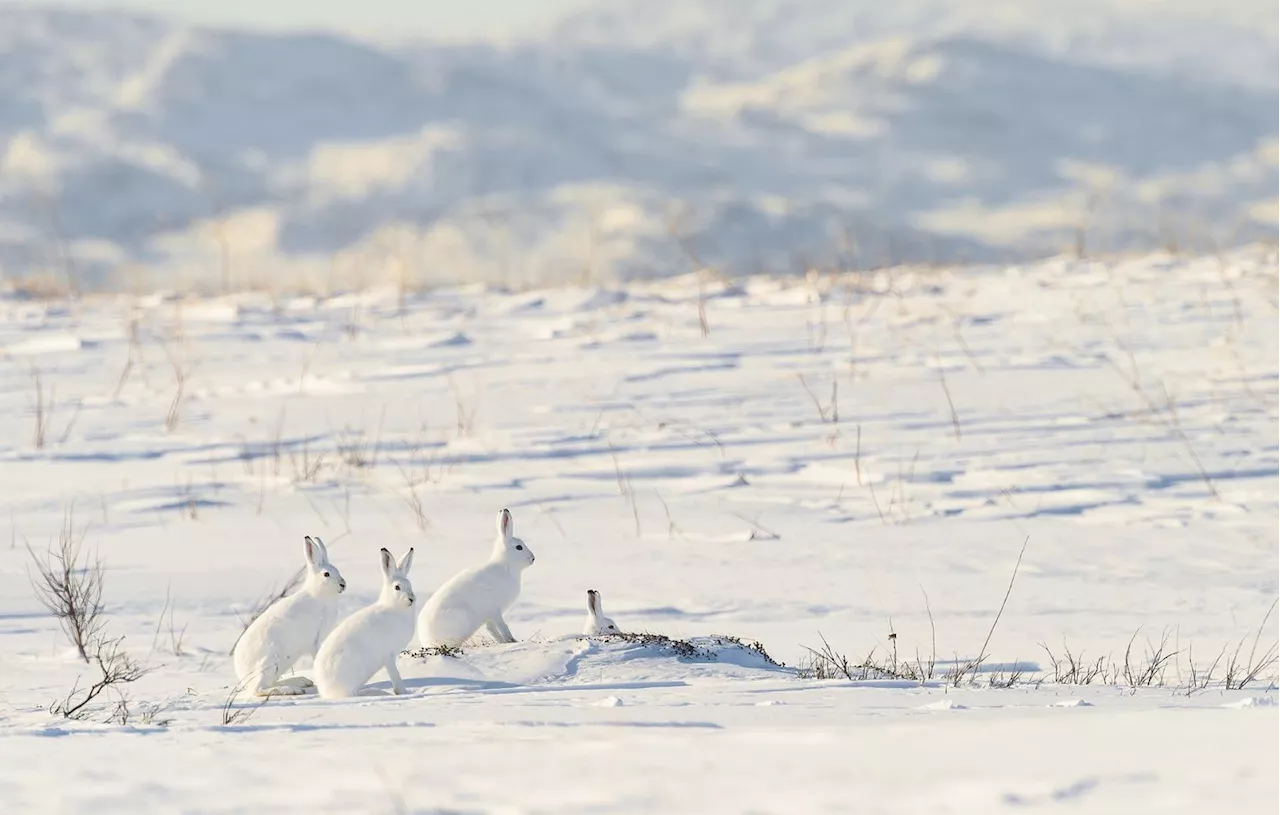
(597, 623)
(290, 628)
(371, 638)
(478, 596)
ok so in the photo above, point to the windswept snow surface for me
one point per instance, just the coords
(767, 135)
(835, 458)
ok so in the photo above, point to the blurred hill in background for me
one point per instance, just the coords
(635, 139)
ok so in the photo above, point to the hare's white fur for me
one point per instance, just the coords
(290, 628)
(478, 596)
(597, 623)
(371, 638)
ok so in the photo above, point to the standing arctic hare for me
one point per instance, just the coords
(371, 638)
(478, 596)
(597, 623)
(290, 628)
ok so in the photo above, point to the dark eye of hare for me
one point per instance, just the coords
(397, 588)
(326, 574)
(519, 547)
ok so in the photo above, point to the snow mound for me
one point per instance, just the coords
(1252, 701)
(618, 658)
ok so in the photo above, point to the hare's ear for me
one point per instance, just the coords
(592, 602)
(505, 530)
(322, 549)
(312, 551)
(405, 564)
(388, 564)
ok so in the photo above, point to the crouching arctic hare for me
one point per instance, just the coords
(478, 596)
(371, 638)
(597, 624)
(290, 628)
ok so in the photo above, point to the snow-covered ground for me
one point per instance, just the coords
(767, 134)
(780, 460)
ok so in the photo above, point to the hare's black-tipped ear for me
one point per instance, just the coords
(311, 551)
(405, 563)
(388, 563)
(593, 604)
(505, 525)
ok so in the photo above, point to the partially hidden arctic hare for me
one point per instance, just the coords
(290, 628)
(478, 596)
(371, 638)
(597, 623)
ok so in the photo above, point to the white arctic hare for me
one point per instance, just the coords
(371, 638)
(597, 623)
(478, 596)
(290, 628)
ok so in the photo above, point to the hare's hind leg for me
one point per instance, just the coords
(393, 673)
(497, 628)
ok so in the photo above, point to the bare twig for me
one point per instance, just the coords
(69, 588)
(115, 667)
(231, 713)
(973, 666)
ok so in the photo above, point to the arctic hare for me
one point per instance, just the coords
(371, 638)
(478, 596)
(597, 623)
(290, 628)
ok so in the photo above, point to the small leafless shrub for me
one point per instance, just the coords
(759, 532)
(1005, 677)
(946, 391)
(69, 585)
(166, 625)
(1074, 668)
(413, 499)
(146, 713)
(465, 412)
(625, 489)
(115, 668)
(46, 404)
(232, 713)
(1242, 671)
(355, 450)
(134, 353)
(175, 351)
(829, 412)
(1150, 668)
(968, 671)
(41, 408)
(827, 663)
(304, 464)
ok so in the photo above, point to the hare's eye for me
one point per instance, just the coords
(519, 547)
(397, 588)
(326, 574)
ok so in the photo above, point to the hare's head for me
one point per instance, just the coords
(397, 591)
(507, 547)
(322, 576)
(597, 622)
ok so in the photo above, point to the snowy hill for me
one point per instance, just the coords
(760, 136)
